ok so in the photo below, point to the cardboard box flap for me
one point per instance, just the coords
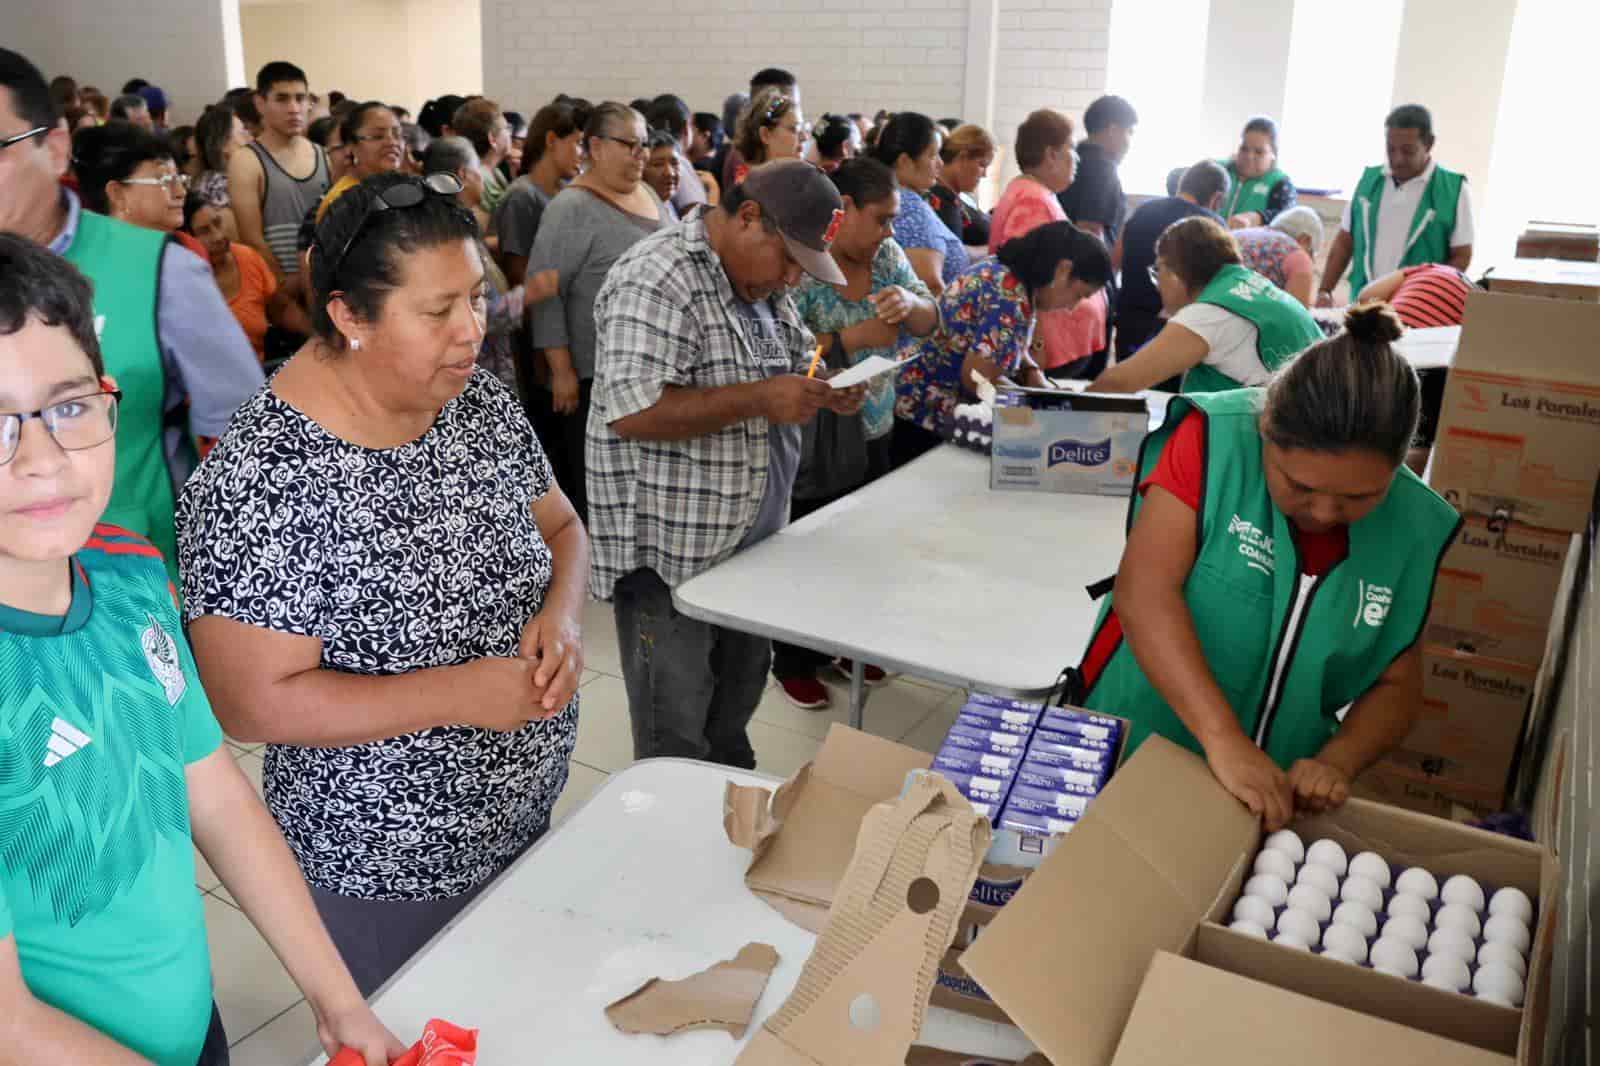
(803, 852)
(1137, 872)
(1496, 325)
(1189, 1012)
(722, 997)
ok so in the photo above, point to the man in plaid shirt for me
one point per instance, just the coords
(700, 390)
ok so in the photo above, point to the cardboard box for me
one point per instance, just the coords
(1473, 710)
(1559, 240)
(1519, 431)
(1496, 590)
(1154, 865)
(1051, 440)
(1413, 780)
(1558, 279)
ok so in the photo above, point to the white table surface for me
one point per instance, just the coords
(639, 882)
(1430, 349)
(929, 573)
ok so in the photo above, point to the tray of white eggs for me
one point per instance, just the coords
(1453, 933)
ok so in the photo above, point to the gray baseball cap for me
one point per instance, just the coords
(802, 201)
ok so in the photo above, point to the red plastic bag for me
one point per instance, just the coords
(442, 1044)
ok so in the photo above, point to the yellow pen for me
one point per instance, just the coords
(816, 357)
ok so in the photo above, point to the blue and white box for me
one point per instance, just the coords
(990, 740)
(1067, 777)
(988, 764)
(1077, 723)
(1044, 735)
(1051, 440)
(1003, 722)
(1027, 800)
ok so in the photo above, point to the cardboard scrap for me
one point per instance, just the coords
(722, 997)
(927, 1056)
(864, 990)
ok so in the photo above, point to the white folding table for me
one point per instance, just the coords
(639, 882)
(927, 572)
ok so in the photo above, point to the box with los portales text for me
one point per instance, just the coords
(1496, 589)
(1048, 440)
(1472, 714)
(1519, 430)
(1115, 952)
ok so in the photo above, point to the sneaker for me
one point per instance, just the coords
(806, 693)
(874, 675)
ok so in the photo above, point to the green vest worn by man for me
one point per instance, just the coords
(123, 263)
(1249, 194)
(1289, 651)
(1427, 241)
(1284, 328)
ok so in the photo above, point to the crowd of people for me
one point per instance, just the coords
(390, 398)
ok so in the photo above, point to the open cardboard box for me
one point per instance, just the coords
(1154, 865)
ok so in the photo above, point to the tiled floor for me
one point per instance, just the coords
(269, 1023)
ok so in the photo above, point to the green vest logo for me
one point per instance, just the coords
(1375, 601)
(1254, 544)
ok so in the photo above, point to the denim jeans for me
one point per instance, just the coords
(692, 686)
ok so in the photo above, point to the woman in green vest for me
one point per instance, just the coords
(1257, 189)
(1279, 566)
(1228, 327)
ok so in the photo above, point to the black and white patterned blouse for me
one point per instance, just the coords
(399, 559)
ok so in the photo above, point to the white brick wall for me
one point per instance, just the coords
(1051, 53)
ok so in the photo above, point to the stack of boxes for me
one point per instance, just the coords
(1517, 453)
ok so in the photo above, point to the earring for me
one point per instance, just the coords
(355, 344)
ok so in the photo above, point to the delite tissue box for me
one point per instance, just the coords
(1049, 440)
(962, 761)
(993, 741)
(1004, 722)
(1028, 800)
(1091, 726)
(1059, 778)
(1076, 768)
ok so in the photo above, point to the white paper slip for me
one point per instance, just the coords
(866, 370)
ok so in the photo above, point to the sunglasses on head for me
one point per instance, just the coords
(776, 110)
(399, 197)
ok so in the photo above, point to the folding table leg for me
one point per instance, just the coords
(858, 691)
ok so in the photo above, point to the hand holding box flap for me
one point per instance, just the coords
(863, 992)
(721, 997)
(1189, 1012)
(1065, 957)
(817, 814)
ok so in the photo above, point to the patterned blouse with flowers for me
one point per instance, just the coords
(985, 311)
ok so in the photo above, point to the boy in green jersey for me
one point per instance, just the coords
(111, 762)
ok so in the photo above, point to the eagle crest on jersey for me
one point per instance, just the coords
(161, 652)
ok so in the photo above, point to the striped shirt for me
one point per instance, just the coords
(1432, 295)
(666, 317)
(285, 202)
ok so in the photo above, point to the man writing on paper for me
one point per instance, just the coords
(700, 390)
(1409, 212)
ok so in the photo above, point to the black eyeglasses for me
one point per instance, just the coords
(75, 424)
(634, 147)
(401, 196)
(19, 138)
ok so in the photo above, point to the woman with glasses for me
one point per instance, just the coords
(771, 127)
(1227, 326)
(384, 583)
(129, 173)
(586, 228)
(909, 145)
(376, 145)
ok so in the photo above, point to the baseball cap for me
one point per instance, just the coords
(803, 203)
(154, 98)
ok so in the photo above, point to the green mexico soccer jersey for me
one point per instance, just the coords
(100, 713)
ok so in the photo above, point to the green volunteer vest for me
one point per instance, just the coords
(123, 263)
(1241, 593)
(1284, 328)
(1429, 238)
(1249, 194)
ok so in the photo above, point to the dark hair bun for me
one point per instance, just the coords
(1373, 322)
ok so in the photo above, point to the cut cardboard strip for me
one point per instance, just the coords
(864, 990)
(723, 997)
(927, 1056)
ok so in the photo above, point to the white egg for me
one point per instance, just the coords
(1357, 916)
(1362, 891)
(1300, 925)
(1418, 882)
(1508, 929)
(1505, 954)
(1463, 890)
(1443, 982)
(1277, 864)
(1312, 900)
(1458, 916)
(1288, 842)
(1289, 940)
(1249, 928)
(1370, 864)
(1498, 981)
(1256, 910)
(1446, 971)
(1391, 956)
(1346, 943)
(1269, 887)
(1319, 877)
(1328, 853)
(1452, 942)
(1512, 901)
(1407, 930)
(1403, 904)
(1496, 1000)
